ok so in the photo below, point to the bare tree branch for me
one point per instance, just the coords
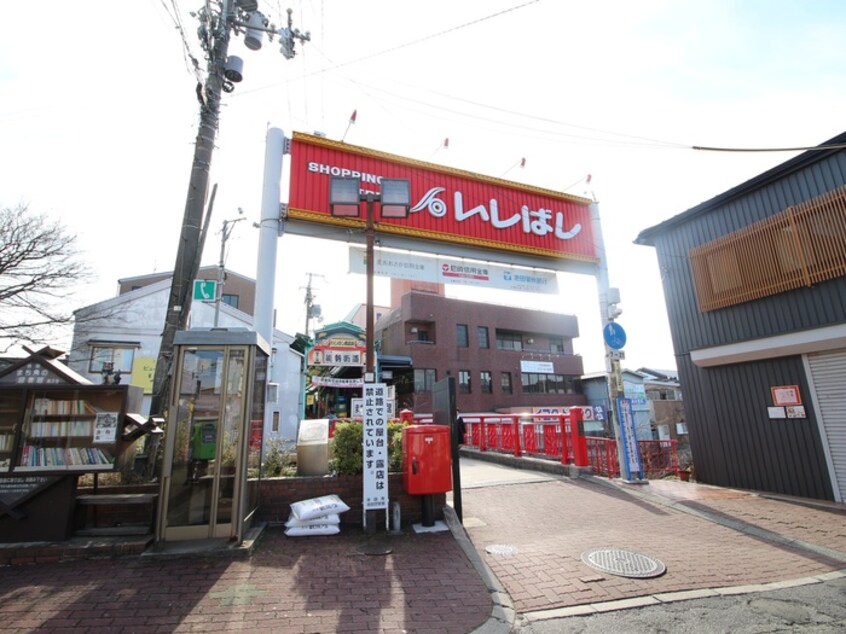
(39, 270)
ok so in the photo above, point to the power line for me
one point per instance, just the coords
(191, 63)
(706, 148)
(399, 46)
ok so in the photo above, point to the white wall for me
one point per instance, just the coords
(138, 317)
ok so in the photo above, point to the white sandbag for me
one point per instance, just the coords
(313, 529)
(318, 507)
(326, 519)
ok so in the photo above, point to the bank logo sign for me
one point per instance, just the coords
(443, 270)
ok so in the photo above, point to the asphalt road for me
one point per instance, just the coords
(818, 608)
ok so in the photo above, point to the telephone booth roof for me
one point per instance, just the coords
(221, 336)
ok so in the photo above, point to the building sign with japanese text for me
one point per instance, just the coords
(375, 446)
(341, 344)
(33, 373)
(330, 381)
(628, 437)
(336, 357)
(443, 270)
(447, 205)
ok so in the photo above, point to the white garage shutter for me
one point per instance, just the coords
(828, 373)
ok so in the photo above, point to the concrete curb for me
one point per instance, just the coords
(502, 616)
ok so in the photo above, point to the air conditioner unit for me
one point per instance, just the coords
(414, 330)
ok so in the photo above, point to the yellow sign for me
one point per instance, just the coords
(143, 371)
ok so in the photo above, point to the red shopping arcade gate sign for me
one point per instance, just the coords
(448, 207)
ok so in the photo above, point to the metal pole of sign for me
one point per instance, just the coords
(371, 239)
(612, 360)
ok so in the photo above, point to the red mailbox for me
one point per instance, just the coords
(426, 459)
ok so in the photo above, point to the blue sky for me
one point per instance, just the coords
(98, 115)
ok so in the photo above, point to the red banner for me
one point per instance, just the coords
(447, 205)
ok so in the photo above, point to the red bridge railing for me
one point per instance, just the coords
(550, 436)
(559, 437)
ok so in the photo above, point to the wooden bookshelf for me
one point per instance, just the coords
(47, 429)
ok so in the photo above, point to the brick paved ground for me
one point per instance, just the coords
(817, 526)
(428, 584)
(552, 523)
(315, 584)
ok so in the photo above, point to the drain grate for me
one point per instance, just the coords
(503, 550)
(623, 563)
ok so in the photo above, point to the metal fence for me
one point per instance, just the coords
(551, 436)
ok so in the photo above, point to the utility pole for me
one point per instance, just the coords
(228, 226)
(608, 312)
(312, 309)
(189, 248)
(214, 32)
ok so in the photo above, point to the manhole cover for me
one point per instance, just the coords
(504, 550)
(623, 563)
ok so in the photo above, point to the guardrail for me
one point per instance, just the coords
(555, 436)
(546, 435)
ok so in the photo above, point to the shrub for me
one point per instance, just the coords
(346, 447)
(277, 461)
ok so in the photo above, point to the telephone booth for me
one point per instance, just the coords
(213, 438)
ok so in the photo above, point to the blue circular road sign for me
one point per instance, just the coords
(614, 336)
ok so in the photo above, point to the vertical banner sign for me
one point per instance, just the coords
(631, 455)
(375, 447)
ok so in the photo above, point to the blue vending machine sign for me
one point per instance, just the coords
(614, 336)
(631, 455)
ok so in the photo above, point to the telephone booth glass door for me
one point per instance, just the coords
(213, 441)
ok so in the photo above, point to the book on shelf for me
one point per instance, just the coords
(56, 407)
(60, 429)
(64, 457)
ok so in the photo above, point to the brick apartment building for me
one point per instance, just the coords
(503, 358)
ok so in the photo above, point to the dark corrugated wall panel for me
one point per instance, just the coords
(734, 441)
(805, 308)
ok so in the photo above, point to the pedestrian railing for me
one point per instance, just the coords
(545, 435)
(602, 456)
(557, 437)
(658, 457)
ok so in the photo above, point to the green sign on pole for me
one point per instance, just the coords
(205, 290)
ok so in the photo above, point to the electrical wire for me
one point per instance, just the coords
(804, 148)
(191, 63)
(626, 140)
(635, 140)
(425, 38)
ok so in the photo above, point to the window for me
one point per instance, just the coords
(485, 382)
(556, 344)
(800, 246)
(228, 298)
(424, 379)
(482, 333)
(462, 337)
(505, 382)
(275, 424)
(681, 428)
(534, 383)
(120, 358)
(422, 335)
(507, 340)
(464, 381)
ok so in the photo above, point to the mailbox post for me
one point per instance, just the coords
(426, 459)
